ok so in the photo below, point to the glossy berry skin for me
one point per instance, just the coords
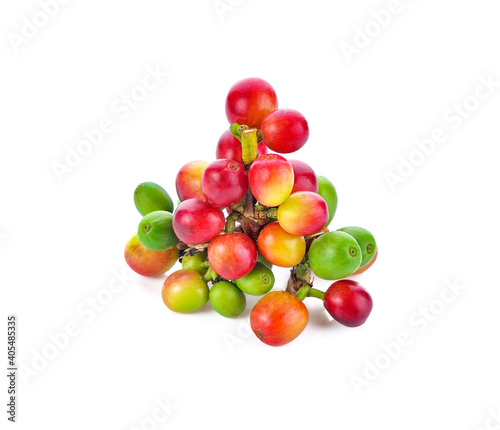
(348, 303)
(367, 266)
(304, 177)
(271, 179)
(147, 262)
(232, 255)
(150, 197)
(249, 101)
(224, 183)
(278, 318)
(196, 262)
(185, 291)
(334, 255)
(280, 247)
(329, 193)
(258, 282)
(196, 221)
(285, 131)
(188, 180)
(303, 213)
(155, 231)
(230, 147)
(365, 240)
(227, 299)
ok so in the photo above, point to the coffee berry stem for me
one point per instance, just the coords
(210, 275)
(234, 129)
(307, 291)
(314, 292)
(249, 145)
(231, 222)
(303, 292)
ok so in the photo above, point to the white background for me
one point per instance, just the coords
(62, 240)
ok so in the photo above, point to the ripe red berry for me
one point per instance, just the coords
(278, 318)
(249, 101)
(285, 131)
(224, 183)
(196, 221)
(348, 302)
(232, 255)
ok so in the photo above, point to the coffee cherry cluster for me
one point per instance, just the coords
(251, 209)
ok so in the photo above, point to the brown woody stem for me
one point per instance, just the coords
(300, 276)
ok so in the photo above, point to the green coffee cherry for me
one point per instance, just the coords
(334, 255)
(150, 197)
(329, 194)
(258, 282)
(227, 299)
(365, 240)
(155, 231)
(196, 262)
